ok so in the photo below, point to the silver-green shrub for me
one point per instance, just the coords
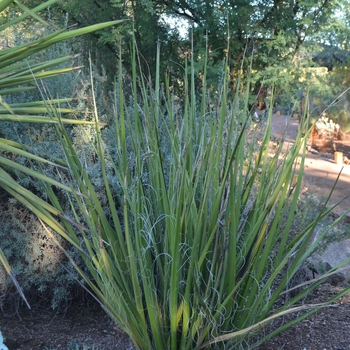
(40, 267)
(41, 270)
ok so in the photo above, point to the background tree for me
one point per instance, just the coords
(144, 24)
(271, 31)
(329, 48)
(333, 39)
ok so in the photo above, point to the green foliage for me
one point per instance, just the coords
(187, 235)
(38, 264)
(18, 74)
(143, 22)
(331, 57)
(335, 32)
(272, 33)
(59, 87)
(47, 275)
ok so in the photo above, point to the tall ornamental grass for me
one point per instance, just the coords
(193, 249)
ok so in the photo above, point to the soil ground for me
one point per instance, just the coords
(84, 322)
(321, 171)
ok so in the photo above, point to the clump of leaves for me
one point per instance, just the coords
(19, 73)
(190, 252)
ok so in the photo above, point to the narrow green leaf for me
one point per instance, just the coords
(81, 31)
(13, 81)
(4, 4)
(30, 12)
(16, 90)
(42, 120)
(20, 152)
(41, 103)
(32, 110)
(18, 19)
(33, 173)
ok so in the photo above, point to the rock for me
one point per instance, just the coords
(347, 218)
(334, 215)
(336, 279)
(312, 150)
(334, 254)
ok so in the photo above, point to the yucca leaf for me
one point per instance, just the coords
(9, 69)
(31, 69)
(19, 52)
(41, 103)
(6, 3)
(41, 119)
(13, 81)
(32, 110)
(17, 151)
(33, 173)
(184, 244)
(30, 12)
(16, 90)
(78, 32)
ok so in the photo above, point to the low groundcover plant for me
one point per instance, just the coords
(190, 247)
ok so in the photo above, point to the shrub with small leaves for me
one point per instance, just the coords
(39, 265)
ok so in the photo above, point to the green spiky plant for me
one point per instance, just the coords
(19, 73)
(193, 248)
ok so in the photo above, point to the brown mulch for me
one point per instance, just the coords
(327, 329)
(85, 323)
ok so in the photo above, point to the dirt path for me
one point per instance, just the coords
(321, 171)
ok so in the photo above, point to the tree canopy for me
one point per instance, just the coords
(267, 33)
